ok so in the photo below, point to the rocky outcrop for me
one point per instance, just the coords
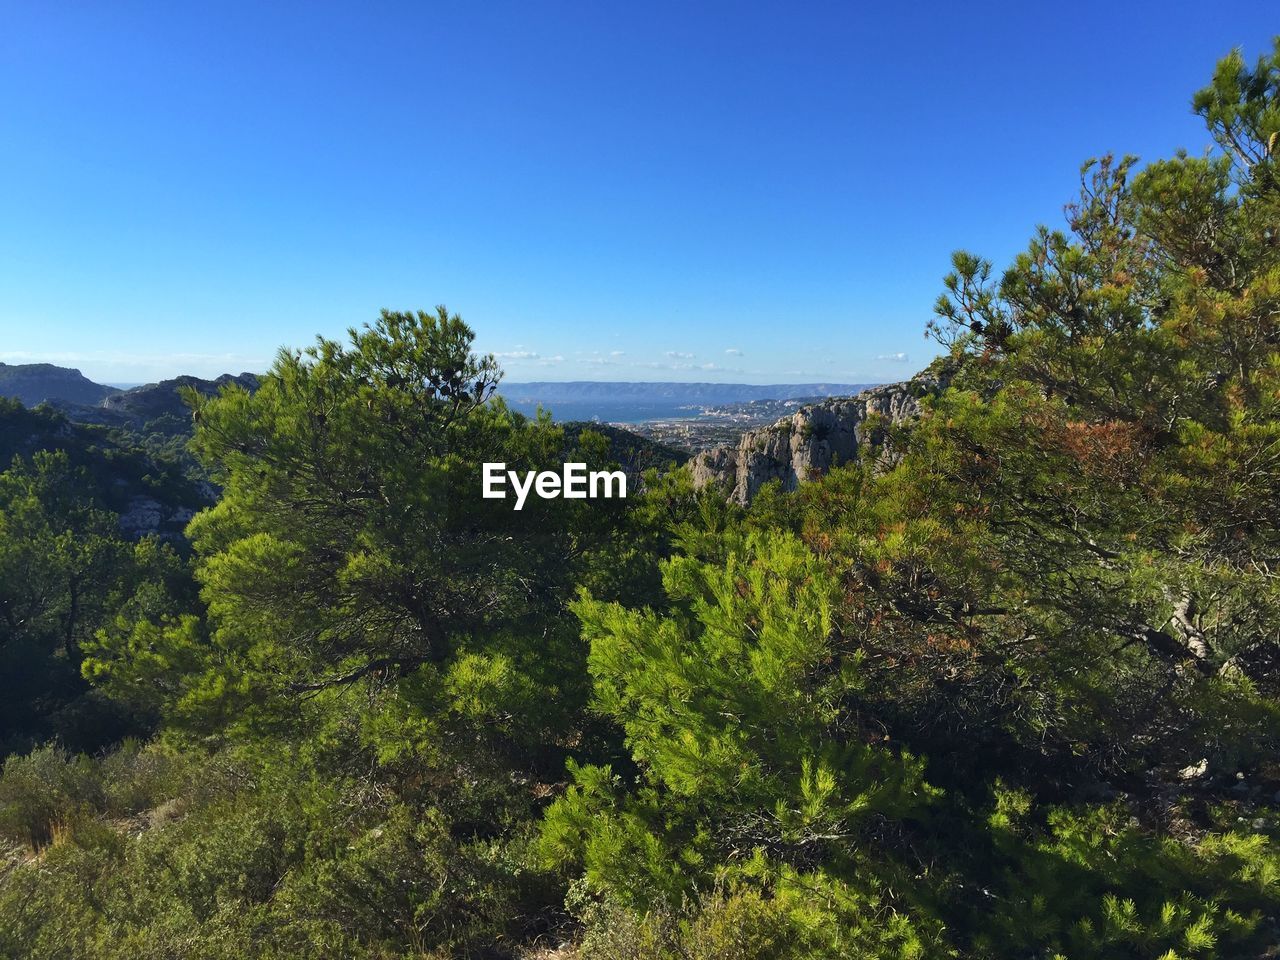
(147, 516)
(153, 407)
(164, 399)
(804, 445)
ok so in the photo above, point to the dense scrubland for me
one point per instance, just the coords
(1006, 687)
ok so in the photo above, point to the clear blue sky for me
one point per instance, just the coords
(751, 192)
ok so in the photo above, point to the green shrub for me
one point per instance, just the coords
(138, 777)
(43, 789)
(745, 924)
(1093, 884)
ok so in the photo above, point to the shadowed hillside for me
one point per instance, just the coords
(33, 383)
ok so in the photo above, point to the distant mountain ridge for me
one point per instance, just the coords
(84, 401)
(152, 407)
(134, 440)
(646, 391)
(35, 383)
(153, 400)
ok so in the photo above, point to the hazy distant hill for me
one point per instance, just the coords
(33, 383)
(154, 417)
(583, 391)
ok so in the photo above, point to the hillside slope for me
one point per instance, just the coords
(34, 383)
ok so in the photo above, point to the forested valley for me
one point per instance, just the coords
(1007, 686)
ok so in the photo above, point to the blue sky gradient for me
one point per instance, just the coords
(666, 191)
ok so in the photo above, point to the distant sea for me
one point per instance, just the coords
(607, 412)
(638, 402)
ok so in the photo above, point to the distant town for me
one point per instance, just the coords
(718, 425)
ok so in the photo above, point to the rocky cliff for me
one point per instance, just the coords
(806, 444)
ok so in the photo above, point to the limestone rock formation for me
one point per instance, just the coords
(804, 445)
(147, 516)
